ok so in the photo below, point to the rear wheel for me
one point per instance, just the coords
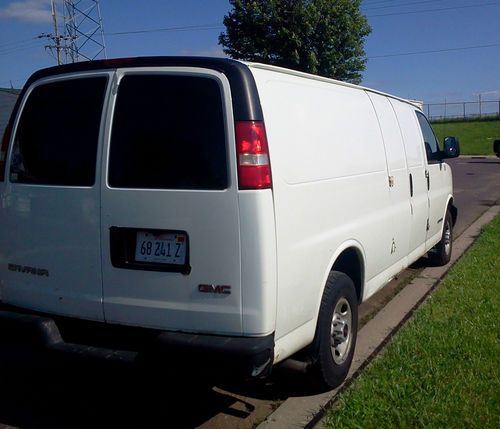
(441, 253)
(335, 339)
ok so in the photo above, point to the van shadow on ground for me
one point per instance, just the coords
(37, 393)
(81, 396)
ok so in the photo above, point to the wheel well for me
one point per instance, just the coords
(454, 212)
(350, 263)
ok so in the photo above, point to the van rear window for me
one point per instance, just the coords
(58, 132)
(168, 133)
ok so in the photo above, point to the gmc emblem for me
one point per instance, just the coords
(220, 289)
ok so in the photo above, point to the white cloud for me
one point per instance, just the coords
(27, 10)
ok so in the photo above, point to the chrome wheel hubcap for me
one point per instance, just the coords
(447, 238)
(341, 332)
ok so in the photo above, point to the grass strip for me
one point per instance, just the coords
(476, 137)
(442, 369)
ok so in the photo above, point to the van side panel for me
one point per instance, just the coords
(398, 171)
(330, 185)
(414, 156)
(258, 261)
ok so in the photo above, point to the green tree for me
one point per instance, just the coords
(323, 37)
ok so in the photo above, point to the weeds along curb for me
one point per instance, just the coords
(308, 411)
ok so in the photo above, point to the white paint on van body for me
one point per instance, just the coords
(330, 185)
(341, 159)
(334, 147)
(54, 228)
(167, 300)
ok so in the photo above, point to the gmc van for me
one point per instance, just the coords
(225, 211)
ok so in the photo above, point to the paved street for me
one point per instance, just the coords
(38, 395)
(476, 183)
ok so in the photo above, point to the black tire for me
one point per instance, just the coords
(333, 349)
(440, 254)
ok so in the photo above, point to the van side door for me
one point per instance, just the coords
(419, 202)
(397, 180)
(435, 171)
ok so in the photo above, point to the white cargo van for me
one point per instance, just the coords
(233, 213)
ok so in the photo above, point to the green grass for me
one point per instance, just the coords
(442, 370)
(476, 137)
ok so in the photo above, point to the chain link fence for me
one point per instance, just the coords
(463, 110)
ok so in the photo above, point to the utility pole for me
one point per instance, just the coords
(55, 37)
(82, 35)
(56, 33)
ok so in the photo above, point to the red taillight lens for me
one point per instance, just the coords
(3, 150)
(254, 169)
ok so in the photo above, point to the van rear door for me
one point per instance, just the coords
(50, 245)
(170, 230)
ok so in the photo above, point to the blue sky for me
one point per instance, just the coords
(407, 26)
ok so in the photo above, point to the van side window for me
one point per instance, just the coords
(58, 132)
(432, 149)
(168, 133)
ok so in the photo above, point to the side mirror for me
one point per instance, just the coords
(451, 147)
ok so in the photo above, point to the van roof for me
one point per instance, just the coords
(322, 79)
(246, 103)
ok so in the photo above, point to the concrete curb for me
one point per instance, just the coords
(308, 411)
(477, 157)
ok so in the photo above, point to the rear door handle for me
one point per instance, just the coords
(411, 185)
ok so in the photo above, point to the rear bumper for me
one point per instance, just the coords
(75, 339)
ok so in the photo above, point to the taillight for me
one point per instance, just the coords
(3, 150)
(254, 169)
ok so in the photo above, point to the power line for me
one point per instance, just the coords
(79, 34)
(10, 51)
(215, 26)
(433, 10)
(15, 42)
(168, 29)
(378, 2)
(463, 48)
(19, 50)
(20, 45)
(403, 4)
(23, 43)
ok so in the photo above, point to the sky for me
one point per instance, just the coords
(402, 30)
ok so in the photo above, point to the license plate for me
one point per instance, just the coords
(165, 248)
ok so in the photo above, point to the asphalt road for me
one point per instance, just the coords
(35, 393)
(476, 183)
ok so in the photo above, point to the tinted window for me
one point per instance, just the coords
(56, 140)
(168, 132)
(431, 145)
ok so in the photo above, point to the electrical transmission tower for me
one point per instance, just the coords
(79, 35)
